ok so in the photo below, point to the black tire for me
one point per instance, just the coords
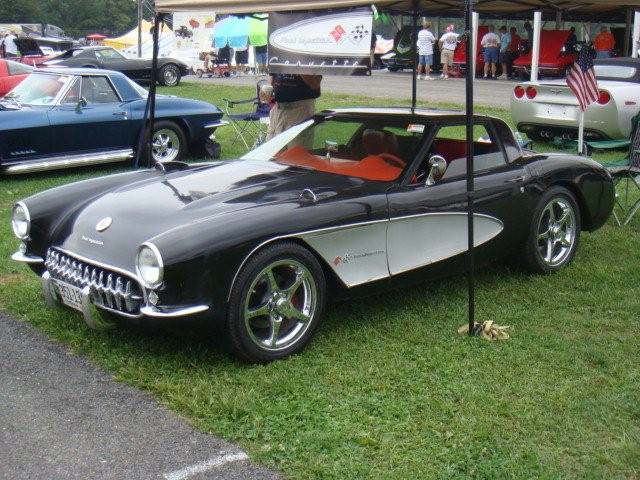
(394, 69)
(168, 125)
(556, 197)
(249, 338)
(170, 75)
(199, 73)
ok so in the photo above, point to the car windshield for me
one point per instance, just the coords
(363, 146)
(109, 53)
(39, 89)
(621, 72)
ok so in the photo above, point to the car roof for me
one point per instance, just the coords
(626, 61)
(79, 71)
(403, 111)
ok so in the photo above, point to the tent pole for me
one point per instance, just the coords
(471, 40)
(139, 28)
(535, 47)
(636, 34)
(152, 88)
(414, 52)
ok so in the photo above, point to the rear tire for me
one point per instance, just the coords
(276, 303)
(169, 143)
(170, 75)
(554, 233)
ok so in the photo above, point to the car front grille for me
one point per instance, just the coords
(109, 289)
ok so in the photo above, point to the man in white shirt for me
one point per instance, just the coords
(491, 45)
(448, 43)
(10, 47)
(425, 50)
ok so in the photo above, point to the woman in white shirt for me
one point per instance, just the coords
(425, 50)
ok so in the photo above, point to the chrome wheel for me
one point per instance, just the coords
(170, 76)
(557, 232)
(280, 305)
(165, 146)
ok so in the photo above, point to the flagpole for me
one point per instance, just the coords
(581, 133)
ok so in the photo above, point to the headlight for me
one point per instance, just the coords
(21, 221)
(149, 265)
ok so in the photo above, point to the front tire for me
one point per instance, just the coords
(276, 303)
(170, 75)
(554, 233)
(169, 143)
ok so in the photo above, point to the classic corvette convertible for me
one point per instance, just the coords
(349, 199)
(170, 70)
(61, 118)
(554, 59)
(544, 110)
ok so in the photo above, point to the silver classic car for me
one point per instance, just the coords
(547, 109)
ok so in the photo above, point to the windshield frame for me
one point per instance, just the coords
(60, 94)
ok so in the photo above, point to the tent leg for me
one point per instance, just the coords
(471, 41)
(152, 88)
(414, 51)
(535, 48)
(636, 35)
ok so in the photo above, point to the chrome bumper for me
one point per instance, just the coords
(24, 258)
(93, 312)
(219, 123)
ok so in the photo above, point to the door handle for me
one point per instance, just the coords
(516, 180)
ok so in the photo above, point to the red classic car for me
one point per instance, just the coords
(460, 55)
(30, 52)
(11, 74)
(554, 57)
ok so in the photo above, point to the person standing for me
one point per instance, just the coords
(295, 100)
(448, 43)
(604, 43)
(513, 50)
(242, 60)
(425, 50)
(505, 42)
(572, 41)
(9, 45)
(490, 43)
(261, 59)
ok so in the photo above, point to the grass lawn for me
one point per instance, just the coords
(388, 389)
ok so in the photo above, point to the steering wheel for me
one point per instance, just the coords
(393, 160)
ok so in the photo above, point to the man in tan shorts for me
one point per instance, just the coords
(295, 100)
(448, 43)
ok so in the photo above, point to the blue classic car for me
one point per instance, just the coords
(60, 118)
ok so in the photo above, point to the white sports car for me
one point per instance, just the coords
(548, 109)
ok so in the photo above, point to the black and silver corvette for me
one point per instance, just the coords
(170, 70)
(348, 199)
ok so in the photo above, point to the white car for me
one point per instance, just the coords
(547, 109)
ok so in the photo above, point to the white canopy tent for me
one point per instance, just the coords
(414, 8)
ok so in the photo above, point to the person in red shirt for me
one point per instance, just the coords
(604, 43)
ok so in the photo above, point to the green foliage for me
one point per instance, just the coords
(76, 17)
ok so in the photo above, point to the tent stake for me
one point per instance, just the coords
(470, 172)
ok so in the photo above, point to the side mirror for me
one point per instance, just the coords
(437, 169)
(330, 146)
(81, 104)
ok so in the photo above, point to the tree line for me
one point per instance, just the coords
(76, 17)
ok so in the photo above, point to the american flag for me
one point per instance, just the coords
(582, 79)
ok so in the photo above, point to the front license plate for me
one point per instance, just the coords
(70, 295)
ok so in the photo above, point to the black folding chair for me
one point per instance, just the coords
(251, 128)
(626, 180)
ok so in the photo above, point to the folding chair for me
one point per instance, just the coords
(626, 180)
(251, 128)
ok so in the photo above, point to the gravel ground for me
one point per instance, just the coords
(63, 418)
(384, 84)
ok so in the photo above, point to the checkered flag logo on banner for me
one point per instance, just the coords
(358, 33)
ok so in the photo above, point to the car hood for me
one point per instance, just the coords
(143, 210)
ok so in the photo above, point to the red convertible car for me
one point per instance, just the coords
(11, 74)
(554, 59)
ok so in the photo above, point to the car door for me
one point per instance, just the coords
(91, 117)
(428, 223)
